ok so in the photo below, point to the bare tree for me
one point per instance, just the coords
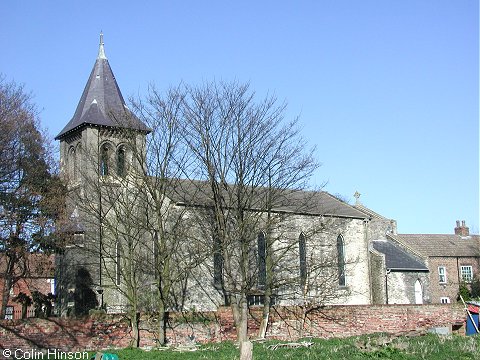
(128, 194)
(222, 175)
(173, 253)
(320, 270)
(253, 164)
(30, 193)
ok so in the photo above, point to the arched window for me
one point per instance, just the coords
(78, 162)
(262, 260)
(341, 260)
(121, 169)
(118, 270)
(418, 292)
(72, 163)
(105, 160)
(302, 250)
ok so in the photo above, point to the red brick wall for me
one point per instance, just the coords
(335, 321)
(63, 334)
(343, 321)
(452, 265)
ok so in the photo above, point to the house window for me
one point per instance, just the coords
(52, 286)
(255, 300)
(341, 261)
(302, 249)
(259, 300)
(9, 313)
(442, 275)
(466, 272)
(262, 263)
(445, 300)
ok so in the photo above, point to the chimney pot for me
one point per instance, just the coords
(462, 230)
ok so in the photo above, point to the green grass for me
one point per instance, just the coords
(365, 347)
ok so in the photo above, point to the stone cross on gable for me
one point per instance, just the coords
(357, 197)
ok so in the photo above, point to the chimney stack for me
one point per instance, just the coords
(462, 229)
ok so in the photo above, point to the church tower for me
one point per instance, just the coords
(96, 148)
(100, 110)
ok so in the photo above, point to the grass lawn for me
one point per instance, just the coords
(365, 347)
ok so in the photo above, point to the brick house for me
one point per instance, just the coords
(38, 276)
(451, 258)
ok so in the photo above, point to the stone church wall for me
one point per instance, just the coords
(377, 271)
(379, 227)
(401, 287)
(321, 247)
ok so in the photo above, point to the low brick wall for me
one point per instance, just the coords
(64, 334)
(344, 321)
(285, 323)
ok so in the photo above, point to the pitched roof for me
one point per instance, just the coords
(102, 103)
(368, 211)
(397, 258)
(442, 244)
(198, 193)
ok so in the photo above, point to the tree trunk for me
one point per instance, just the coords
(301, 330)
(262, 331)
(162, 338)
(246, 350)
(135, 321)
(7, 284)
(240, 316)
(24, 310)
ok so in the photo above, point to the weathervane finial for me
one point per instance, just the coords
(101, 50)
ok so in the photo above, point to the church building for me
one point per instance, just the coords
(367, 264)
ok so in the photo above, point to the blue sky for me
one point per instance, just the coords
(388, 91)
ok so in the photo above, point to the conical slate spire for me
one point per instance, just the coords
(101, 50)
(102, 103)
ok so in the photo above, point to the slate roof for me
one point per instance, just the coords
(198, 193)
(397, 258)
(102, 103)
(442, 244)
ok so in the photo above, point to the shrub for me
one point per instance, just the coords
(476, 288)
(464, 292)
